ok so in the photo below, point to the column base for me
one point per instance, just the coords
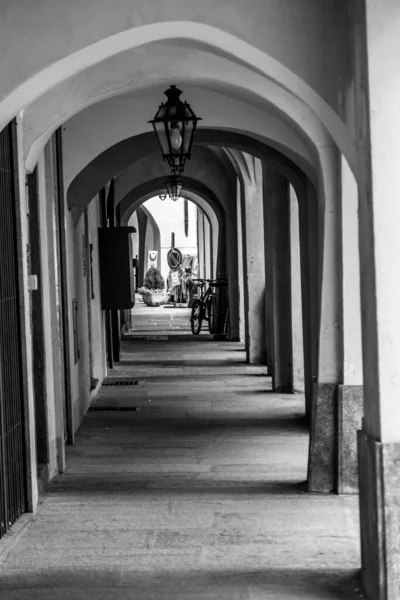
(335, 417)
(350, 410)
(379, 476)
(322, 455)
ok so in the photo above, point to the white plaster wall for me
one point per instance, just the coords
(169, 216)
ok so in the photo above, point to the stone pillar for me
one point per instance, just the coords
(278, 278)
(308, 224)
(232, 292)
(350, 394)
(241, 332)
(48, 299)
(377, 50)
(200, 242)
(254, 266)
(54, 357)
(337, 402)
(142, 226)
(323, 443)
(296, 317)
(207, 247)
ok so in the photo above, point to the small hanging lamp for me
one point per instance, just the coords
(174, 125)
(174, 186)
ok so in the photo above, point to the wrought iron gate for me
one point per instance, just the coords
(12, 451)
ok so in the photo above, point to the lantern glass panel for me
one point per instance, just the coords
(162, 137)
(188, 137)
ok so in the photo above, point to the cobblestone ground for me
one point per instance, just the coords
(190, 486)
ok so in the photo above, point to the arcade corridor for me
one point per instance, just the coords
(252, 145)
(189, 484)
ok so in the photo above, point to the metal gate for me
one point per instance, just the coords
(12, 451)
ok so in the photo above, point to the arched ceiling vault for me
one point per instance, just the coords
(145, 74)
(223, 159)
(107, 123)
(308, 75)
(192, 196)
(119, 157)
(193, 189)
(204, 166)
(203, 201)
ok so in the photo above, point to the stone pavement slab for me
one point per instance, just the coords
(198, 495)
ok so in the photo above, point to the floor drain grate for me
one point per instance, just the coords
(113, 409)
(119, 381)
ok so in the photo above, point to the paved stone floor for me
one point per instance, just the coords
(191, 486)
(162, 320)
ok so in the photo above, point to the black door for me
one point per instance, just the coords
(12, 451)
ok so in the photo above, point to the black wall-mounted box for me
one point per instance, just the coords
(116, 273)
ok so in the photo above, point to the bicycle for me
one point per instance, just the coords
(205, 307)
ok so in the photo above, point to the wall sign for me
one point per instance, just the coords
(152, 258)
(174, 258)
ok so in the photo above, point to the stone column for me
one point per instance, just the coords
(232, 292)
(200, 242)
(350, 393)
(296, 317)
(254, 266)
(337, 401)
(241, 332)
(377, 46)
(278, 279)
(308, 225)
(142, 227)
(207, 246)
(323, 443)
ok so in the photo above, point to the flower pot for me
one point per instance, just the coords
(154, 299)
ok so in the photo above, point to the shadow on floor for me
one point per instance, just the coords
(126, 583)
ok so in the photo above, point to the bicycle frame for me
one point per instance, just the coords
(205, 295)
(205, 307)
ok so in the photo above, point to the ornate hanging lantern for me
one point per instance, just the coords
(173, 186)
(174, 125)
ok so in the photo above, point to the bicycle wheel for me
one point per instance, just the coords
(212, 314)
(196, 317)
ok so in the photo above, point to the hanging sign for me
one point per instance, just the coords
(174, 258)
(152, 258)
(175, 279)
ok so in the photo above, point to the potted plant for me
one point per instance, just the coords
(153, 288)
